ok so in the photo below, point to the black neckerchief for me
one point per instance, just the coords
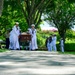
(16, 28)
(33, 31)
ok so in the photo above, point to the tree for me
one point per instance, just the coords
(24, 11)
(62, 15)
(71, 1)
(33, 9)
(11, 13)
(1, 6)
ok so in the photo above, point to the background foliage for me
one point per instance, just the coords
(24, 12)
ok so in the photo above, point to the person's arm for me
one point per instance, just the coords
(29, 31)
(14, 29)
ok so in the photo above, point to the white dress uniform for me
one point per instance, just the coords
(54, 38)
(14, 38)
(62, 45)
(49, 45)
(33, 42)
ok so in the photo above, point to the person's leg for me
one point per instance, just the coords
(30, 46)
(17, 45)
(62, 49)
(14, 44)
(48, 46)
(54, 47)
(6, 43)
(11, 46)
(51, 47)
(33, 44)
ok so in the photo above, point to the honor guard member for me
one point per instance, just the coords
(62, 44)
(14, 37)
(49, 43)
(33, 43)
(54, 38)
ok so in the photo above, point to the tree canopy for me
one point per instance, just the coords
(33, 9)
(1, 6)
(27, 12)
(63, 16)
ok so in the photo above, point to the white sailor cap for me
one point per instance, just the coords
(16, 22)
(33, 25)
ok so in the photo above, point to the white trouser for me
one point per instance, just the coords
(49, 46)
(54, 47)
(62, 48)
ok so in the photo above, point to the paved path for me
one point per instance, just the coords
(36, 63)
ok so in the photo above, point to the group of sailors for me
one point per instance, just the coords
(12, 38)
(13, 43)
(51, 43)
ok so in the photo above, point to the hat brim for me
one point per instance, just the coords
(17, 23)
(33, 25)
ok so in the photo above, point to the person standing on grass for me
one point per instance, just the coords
(49, 43)
(54, 38)
(14, 37)
(7, 38)
(46, 42)
(33, 42)
(62, 44)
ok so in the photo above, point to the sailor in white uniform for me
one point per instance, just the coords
(54, 38)
(33, 42)
(62, 44)
(49, 44)
(14, 37)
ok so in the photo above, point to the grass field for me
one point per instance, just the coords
(67, 53)
(3, 50)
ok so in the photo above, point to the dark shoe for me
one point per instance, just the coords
(17, 49)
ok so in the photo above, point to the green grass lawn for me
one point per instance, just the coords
(3, 50)
(67, 53)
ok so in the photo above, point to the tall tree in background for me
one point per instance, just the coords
(1, 6)
(11, 13)
(25, 12)
(33, 9)
(71, 1)
(63, 16)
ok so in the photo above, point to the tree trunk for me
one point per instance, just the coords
(63, 36)
(1, 6)
(33, 9)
